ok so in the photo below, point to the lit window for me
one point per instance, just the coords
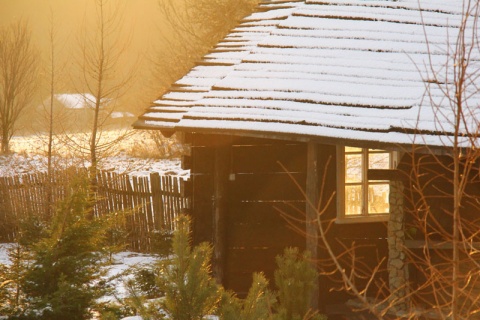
(360, 199)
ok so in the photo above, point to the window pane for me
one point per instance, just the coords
(353, 200)
(353, 168)
(378, 198)
(352, 149)
(378, 160)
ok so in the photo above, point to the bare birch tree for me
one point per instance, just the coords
(18, 72)
(52, 72)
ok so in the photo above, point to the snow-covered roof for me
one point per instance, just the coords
(120, 114)
(347, 70)
(76, 100)
(79, 100)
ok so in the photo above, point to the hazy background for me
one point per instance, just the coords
(142, 25)
(164, 38)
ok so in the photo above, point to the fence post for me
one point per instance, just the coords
(157, 200)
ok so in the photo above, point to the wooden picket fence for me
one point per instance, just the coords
(149, 205)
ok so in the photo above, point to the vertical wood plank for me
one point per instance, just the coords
(312, 192)
(149, 211)
(220, 177)
(157, 201)
(127, 200)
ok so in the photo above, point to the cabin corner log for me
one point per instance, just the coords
(397, 264)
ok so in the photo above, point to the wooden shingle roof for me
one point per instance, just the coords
(353, 70)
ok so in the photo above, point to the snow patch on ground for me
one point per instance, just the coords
(3, 253)
(123, 163)
(119, 271)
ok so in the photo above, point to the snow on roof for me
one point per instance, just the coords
(120, 114)
(351, 70)
(78, 100)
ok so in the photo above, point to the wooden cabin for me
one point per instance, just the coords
(325, 103)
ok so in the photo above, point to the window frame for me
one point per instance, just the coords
(342, 218)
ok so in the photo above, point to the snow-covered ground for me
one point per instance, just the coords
(3, 253)
(15, 164)
(29, 156)
(119, 270)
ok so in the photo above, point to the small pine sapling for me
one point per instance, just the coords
(116, 233)
(257, 305)
(230, 306)
(190, 291)
(161, 242)
(295, 278)
(12, 298)
(259, 301)
(64, 278)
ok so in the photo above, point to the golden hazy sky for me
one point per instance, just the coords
(142, 17)
(141, 22)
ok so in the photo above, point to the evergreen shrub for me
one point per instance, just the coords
(59, 277)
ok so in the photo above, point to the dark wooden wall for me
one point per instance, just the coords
(264, 208)
(260, 189)
(368, 241)
(429, 227)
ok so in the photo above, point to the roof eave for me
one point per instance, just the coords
(403, 147)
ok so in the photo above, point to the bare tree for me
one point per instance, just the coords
(450, 231)
(53, 75)
(441, 192)
(53, 80)
(103, 79)
(192, 28)
(18, 72)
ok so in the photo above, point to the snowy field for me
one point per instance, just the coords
(15, 164)
(29, 156)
